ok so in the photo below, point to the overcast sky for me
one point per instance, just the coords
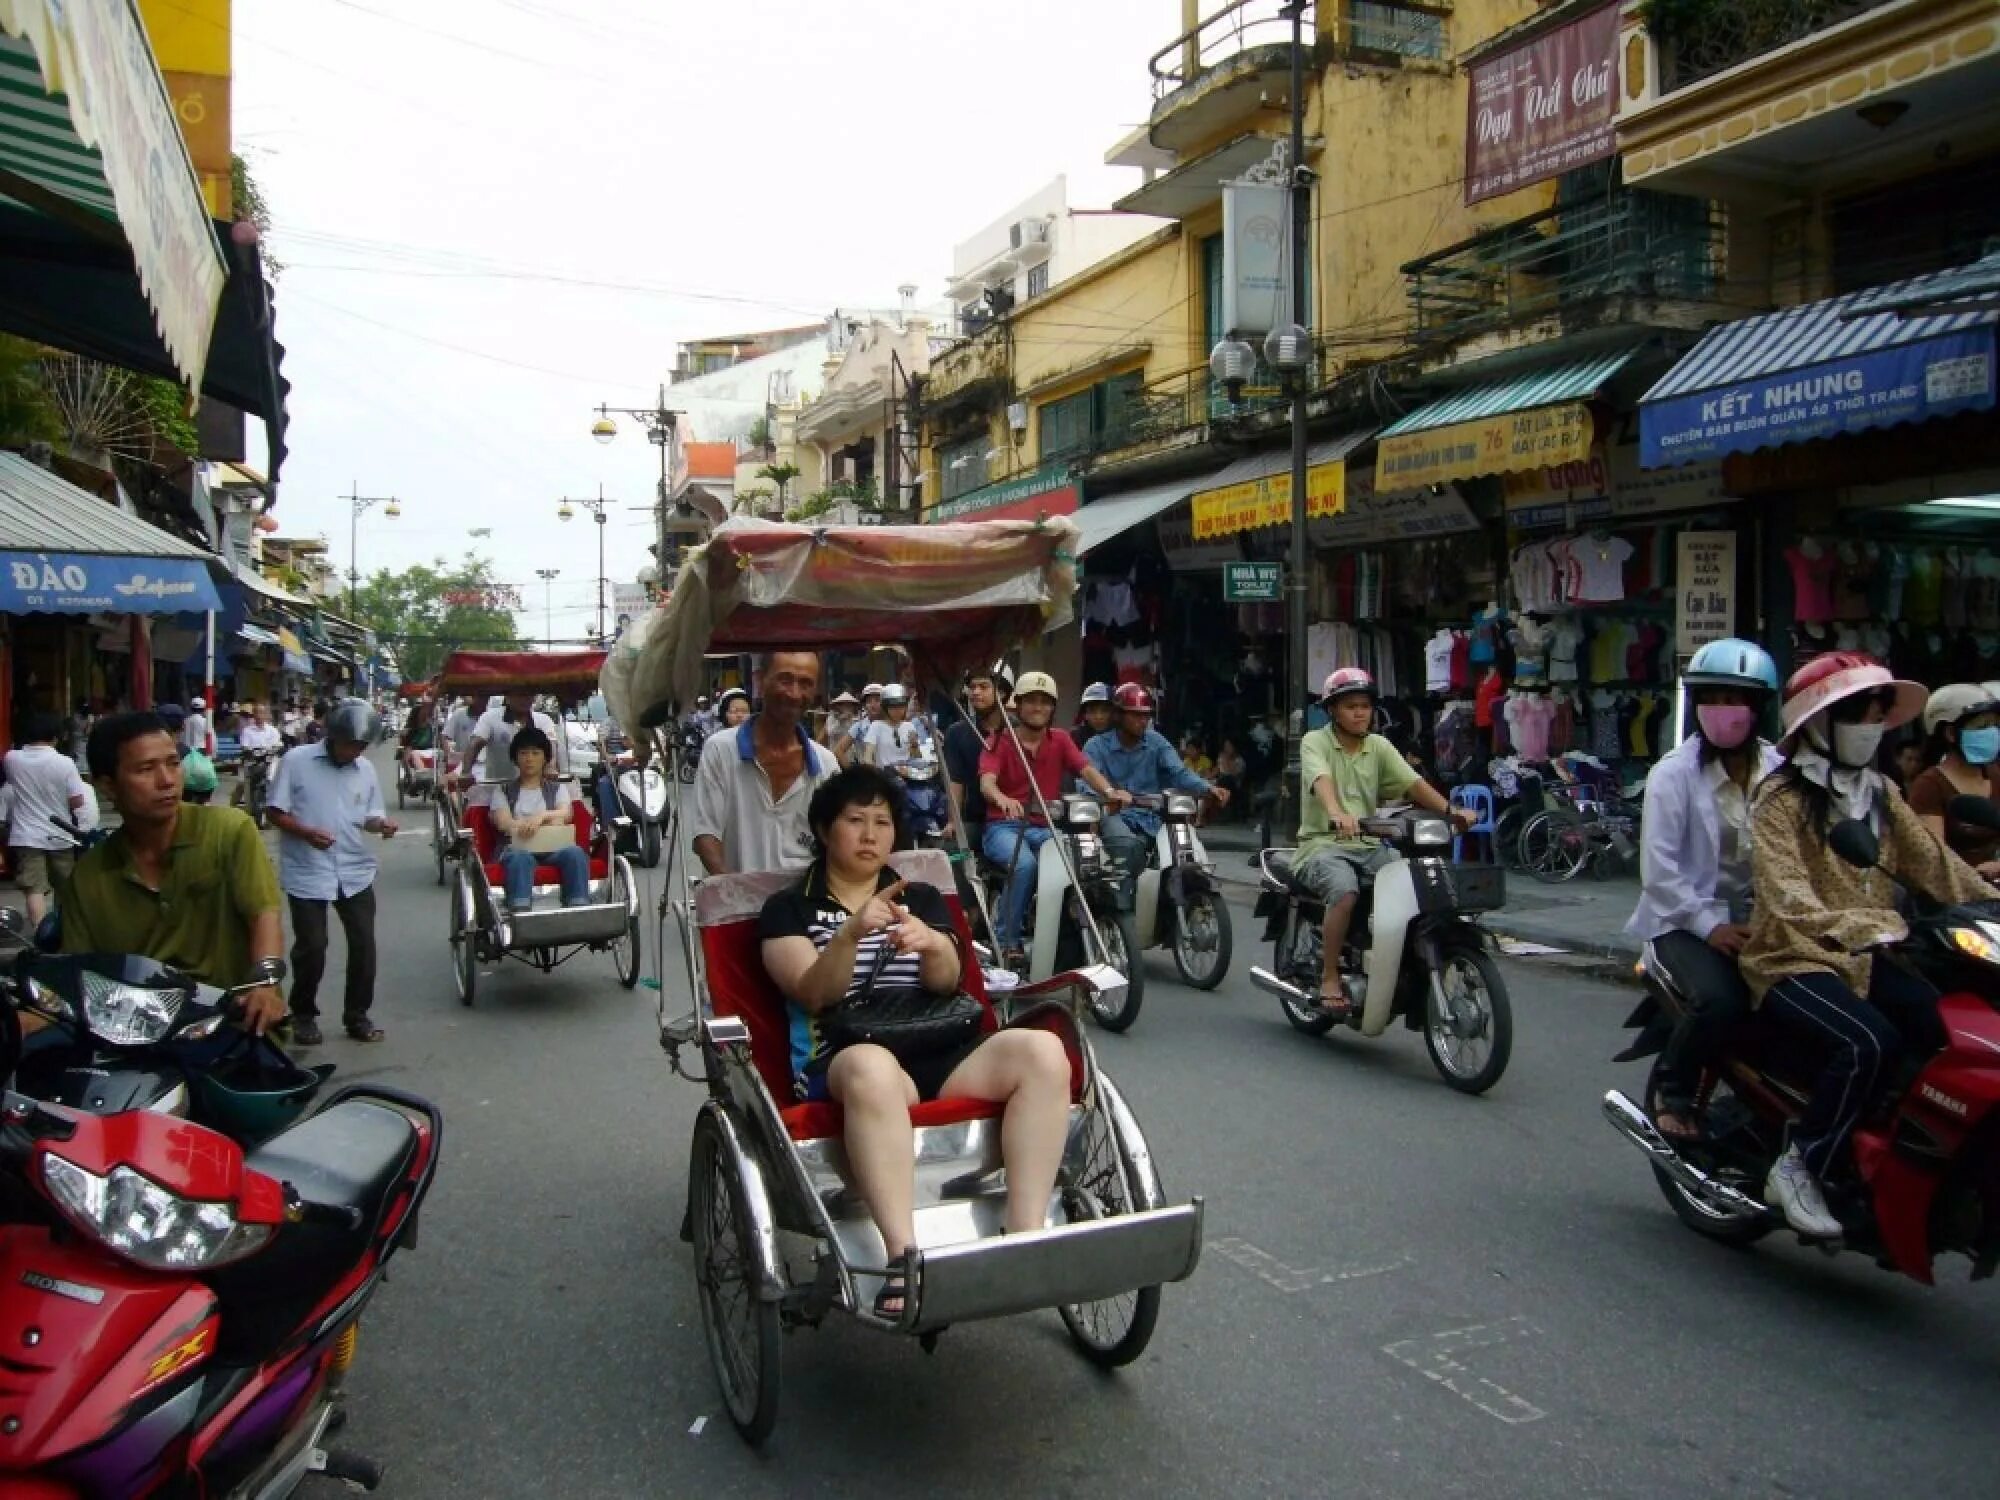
(496, 214)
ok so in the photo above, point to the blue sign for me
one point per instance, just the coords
(1934, 378)
(69, 583)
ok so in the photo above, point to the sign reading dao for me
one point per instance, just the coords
(1253, 582)
(1705, 589)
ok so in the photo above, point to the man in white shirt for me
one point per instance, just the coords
(324, 798)
(256, 733)
(493, 738)
(195, 731)
(44, 784)
(457, 731)
(753, 785)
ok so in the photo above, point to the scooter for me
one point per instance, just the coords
(256, 773)
(1179, 904)
(180, 1315)
(1414, 949)
(689, 759)
(642, 792)
(924, 796)
(1925, 1174)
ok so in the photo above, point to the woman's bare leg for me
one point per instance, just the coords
(1028, 1071)
(875, 1096)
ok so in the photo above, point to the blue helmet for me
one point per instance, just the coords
(1097, 692)
(1732, 663)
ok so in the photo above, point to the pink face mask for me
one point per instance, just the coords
(1726, 725)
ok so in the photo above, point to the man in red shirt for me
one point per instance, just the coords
(1014, 820)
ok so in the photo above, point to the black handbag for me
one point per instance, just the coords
(909, 1022)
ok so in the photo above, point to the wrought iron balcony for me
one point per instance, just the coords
(1236, 30)
(1700, 38)
(1628, 244)
(1180, 403)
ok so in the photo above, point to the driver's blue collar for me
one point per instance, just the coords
(746, 744)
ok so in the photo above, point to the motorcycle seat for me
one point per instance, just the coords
(1282, 868)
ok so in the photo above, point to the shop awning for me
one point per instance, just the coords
(1498, 427)
(331, 657)
(295, 659)
(64, 551)
(1256, 491)
(263, 588)
(258, 636)
(1114, 515)
(89, 142)
(1825, 368)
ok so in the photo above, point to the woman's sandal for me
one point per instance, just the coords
(890, 1301)
(1678, 1121)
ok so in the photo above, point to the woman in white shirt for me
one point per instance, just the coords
(1694, 862)
(533, 800)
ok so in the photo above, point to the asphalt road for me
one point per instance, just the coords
(1405, 1292)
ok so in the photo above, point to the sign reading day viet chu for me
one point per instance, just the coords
(1256, 503)
(1543, 108)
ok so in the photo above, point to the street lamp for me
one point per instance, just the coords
(566, 510)
(548, 577)
(661, 430)
(392, 507)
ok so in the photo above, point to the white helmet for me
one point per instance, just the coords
(873, 690)
(895, 693)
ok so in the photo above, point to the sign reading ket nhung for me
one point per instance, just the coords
(68, 583)
(1531, 439)
(1934, 378)
(1267, 501)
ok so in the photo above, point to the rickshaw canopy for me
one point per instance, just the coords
(956, 595)
(565, 673)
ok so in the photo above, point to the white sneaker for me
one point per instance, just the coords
(1792, 1188)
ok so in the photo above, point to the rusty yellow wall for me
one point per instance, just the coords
(191, 43)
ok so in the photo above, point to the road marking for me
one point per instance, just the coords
(699, 1423)
(1434, 1359)
(1268, 1268)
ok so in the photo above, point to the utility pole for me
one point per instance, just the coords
(566, 509)
(548, 577)
(357, 503)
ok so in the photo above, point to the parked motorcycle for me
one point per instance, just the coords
(1924, 1177)
(642, 793)
(256, 773)
(1414, 949)
(181, 1314)
(1179, 904)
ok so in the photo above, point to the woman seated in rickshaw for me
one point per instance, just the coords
(851, 927)
(529, 802)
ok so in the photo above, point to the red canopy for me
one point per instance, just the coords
(490, 672)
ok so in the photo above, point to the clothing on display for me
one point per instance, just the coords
(1595, 568)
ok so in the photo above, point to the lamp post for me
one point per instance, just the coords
(548, 577)
(567, 509)
(1288, 350)
(360, 502)
(660, 423)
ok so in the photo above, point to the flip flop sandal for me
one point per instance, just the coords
(895, 1289)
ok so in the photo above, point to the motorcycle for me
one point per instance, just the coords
(1925, 1172)
(416, 776)
(183, 1313)
(1414, 949)
(1179, 904)
(256, 773)
(1075, 922)
(642, 793)
(688, 760)
(924, 796)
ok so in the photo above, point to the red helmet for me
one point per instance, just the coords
(1343, 681)
(1132, 698)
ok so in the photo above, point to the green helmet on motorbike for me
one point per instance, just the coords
(254, 1090)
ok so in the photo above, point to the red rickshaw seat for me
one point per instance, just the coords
(487, 841)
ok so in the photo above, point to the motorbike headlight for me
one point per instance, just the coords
(133, 1216)
(1089, 850)
(1977, 942)
(1430, 833)
(1180, 805)
(128, 1015)
(1084, 813)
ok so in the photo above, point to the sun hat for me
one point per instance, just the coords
(1840, 675)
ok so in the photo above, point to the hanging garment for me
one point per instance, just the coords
(1486, 628)
(1923, 601)
(1597, 568)
(1530, 716)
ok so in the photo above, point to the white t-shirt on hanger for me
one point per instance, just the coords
(1597, 568)
(1437, 662)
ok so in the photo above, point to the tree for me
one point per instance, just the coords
(782, 476)
(428, 611)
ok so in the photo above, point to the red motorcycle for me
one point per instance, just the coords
(177, 1315)
(1925, 1176)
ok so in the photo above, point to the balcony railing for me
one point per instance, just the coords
(1179, 403)
(1700, 38)
(1239, 27)
(1632, 243)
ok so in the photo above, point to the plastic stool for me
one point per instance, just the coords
(1478, 800)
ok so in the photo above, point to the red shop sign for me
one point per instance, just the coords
(1543, 108)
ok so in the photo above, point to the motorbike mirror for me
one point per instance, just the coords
(1855, 842)
(1977, 812)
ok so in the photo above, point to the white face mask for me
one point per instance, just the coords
(1854, 745)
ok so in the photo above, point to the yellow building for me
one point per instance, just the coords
(191, 43)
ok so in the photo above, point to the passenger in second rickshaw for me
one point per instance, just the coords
(851, 928)
(528, 803)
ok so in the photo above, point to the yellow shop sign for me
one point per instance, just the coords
(1267, 501)
(1539, 438)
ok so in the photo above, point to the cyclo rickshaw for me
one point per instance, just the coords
(781, 1238)
(483, 930)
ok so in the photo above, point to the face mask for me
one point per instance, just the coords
(1725, 725)
(1980, 746)
(1854, 745)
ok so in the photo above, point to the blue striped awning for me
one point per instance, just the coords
(1576, 381)
(1825, 368)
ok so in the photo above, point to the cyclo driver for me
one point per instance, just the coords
(1346, 772)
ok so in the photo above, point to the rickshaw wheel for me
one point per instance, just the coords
(464, 940)
(740, 1329)
(1095, 1184)
(625, 949)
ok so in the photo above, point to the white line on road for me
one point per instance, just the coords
(1433, 1358)
(699, 1423)
(1268, 1268)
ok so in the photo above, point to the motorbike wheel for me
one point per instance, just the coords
(464, 941)
(1096, 1184)
(1709, 1223)
(625, 951)
(1470, 1048)
(1202, 940)
(649, 844)
(1284, 963)
(740, 1329)
(1121, 939)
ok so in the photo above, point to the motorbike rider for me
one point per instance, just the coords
(1818, 924)
(1137, 757)
(1694, 861)
(848, 750)
(895, 737)
(732, 708)
(1094, 714)
(1346, 771)
(1962, 722)
(967, 740)
(1015, 827)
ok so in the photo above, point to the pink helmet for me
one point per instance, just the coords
(1838, 675)
(1343, 681)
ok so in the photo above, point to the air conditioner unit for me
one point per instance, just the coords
(1017, 416)
(1025, 232)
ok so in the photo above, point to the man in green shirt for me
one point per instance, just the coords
(1346, 773)
(182, 883)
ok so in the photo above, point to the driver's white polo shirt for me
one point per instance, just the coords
(732, 802)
